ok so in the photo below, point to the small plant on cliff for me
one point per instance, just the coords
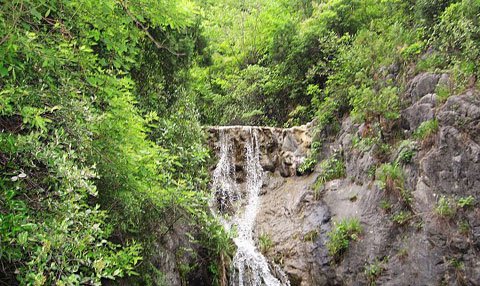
(307, 165)
(407, 151)
(265, 243)
(330, 169)
(464, 202)
(445, 207)
(391, 177)
(341, 234)
(386, 206)
(401, 217)
(311, 161)
(374, 270)
(311, 236)
(426, 132)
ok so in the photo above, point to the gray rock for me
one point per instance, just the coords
(298, 218)
(421, 85)
(423, 110)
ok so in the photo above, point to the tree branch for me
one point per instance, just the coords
(145, 29)
(5, 38)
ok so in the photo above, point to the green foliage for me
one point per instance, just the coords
(428, 12)
(464, 202)
(406, 151)
(458, 31)
(406, 196)
(426, 129)
(219, 244)
(307, 165)
(391, 177)
(52, 241)
(266, 66)
(369, 105)
(443, 93)
(386, 206)
(445, 207)
(457, 264)
(401, 217)
(101, 136)
(342, 234)
(373, 271)
(312, 159)
(265, 243)
(330, 169)
(464, 227)
(311, 236)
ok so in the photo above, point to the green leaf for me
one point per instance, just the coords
(3, 71)
(35, 13)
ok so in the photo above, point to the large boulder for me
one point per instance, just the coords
(421, 85)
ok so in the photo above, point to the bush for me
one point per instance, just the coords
(374, 270)
(464, 202)
(426, 129)
(307, 166)
(58, 238)
(391, 177)
(457, 35)
(401, 217)
(429, 11)
(342, 234)
(426, 132)
(330, 169)
(445, 207)
(407, 151)
(265, 243)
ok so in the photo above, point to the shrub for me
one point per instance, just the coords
(342, 234)
(373, 271)
(307, 165)
(443, 93)
(311, 161)
(386, 206)
(391, 177)
(458, 32)
(426, 129)
(445, 207)
(407, 151)
(330, 169)
(465, 201)
(428, 12)
(401, 217)
(265, 243)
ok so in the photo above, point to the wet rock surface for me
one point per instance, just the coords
(282, 149)
(427, 250)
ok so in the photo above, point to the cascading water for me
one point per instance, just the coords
(250, 267)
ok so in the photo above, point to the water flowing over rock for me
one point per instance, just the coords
(238, 195)
(256, 178)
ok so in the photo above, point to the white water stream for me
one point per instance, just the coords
(250, 267)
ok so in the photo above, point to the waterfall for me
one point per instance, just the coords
(250, 267)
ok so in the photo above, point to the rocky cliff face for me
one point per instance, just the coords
(297, 212)
(283, 150)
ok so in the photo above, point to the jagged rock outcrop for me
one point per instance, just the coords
(429, 249)
(282, 149)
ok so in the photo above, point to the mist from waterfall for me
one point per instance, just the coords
(249, 266)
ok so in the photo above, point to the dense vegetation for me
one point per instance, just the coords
(285, 62)
(101, 105)
(101, 148)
